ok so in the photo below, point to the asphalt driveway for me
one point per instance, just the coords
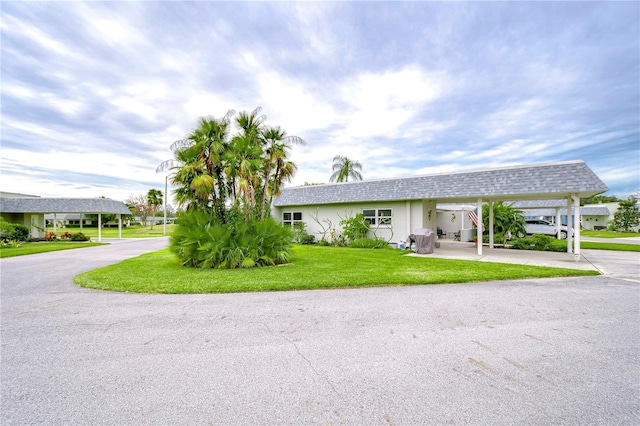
(550, 351)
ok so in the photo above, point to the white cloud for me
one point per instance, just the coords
(382, 103)
(106, 93)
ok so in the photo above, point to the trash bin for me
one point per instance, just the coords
(424, 239)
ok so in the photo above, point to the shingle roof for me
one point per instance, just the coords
(538, 204)
(584, 211)
(545, 181)
(62, 205)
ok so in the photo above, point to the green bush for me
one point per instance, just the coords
(355, 228)
(522, 244)
(307, 239)
(323, 243)
(368, 243)
(10, 244)
(13, 231)
(79, 236)
(542, 242)
(498, 238)
(202, 240)
(300, 234)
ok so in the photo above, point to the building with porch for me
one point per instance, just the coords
(396, 207)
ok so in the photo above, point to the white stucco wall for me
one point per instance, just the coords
(406, 216)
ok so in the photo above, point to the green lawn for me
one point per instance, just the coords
(561, 245)
(128, 232)
(608, 246)
(609, 234)
(43, 247)
(312, 267)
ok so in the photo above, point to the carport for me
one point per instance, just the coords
(411, 201)
(31, 210)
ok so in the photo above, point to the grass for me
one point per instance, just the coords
(127, 232)
(609, 234)
(562, 246)
(44, 247)
(312, 267)
(608, 246)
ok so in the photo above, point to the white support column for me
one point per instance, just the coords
(99, 227)
(479, 228)
(55, 223)
(569, 227)
(408, 218)
(576, 215)
(490, 224)
(119, 226)
(81, 220)
(558, 222)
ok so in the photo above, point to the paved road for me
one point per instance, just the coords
(551, 351)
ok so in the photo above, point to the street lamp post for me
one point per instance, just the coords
(164, 228)
(164, 166)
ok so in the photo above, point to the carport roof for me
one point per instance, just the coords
(62, 205)
(529, 182)
(584, 211)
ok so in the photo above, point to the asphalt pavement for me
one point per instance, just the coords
(528, 352)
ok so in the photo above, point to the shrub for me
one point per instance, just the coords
(307, 239)
(79, 236)
(498, 238)
(301, 235)
(368, 243)
(541, 242)
(355, 228)
(522, 244)
(13, 231)
(323, 243)
(10, 244)
(202, 240)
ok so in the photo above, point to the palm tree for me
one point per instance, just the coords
(154, 199)
(199, 163)
(343, 168)
(216, 172)
(277, 148)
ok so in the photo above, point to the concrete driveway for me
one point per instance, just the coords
(550, 351)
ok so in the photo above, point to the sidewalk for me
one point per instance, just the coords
(468, 251)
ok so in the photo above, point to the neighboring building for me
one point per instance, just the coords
(396, 207)
(30, 210)
(63, 220)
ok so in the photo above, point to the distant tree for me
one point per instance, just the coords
(627, 215)
(343, 168)
(154, 201)
(600, 199)
(139, 207)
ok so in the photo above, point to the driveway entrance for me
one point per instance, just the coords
(516, 352)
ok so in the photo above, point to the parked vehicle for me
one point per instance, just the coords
(539, 226)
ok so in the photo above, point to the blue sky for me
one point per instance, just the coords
(93, 94)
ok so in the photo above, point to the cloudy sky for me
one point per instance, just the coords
(93, 94)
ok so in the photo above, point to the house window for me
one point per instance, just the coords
(377, 216)
(289, 218)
